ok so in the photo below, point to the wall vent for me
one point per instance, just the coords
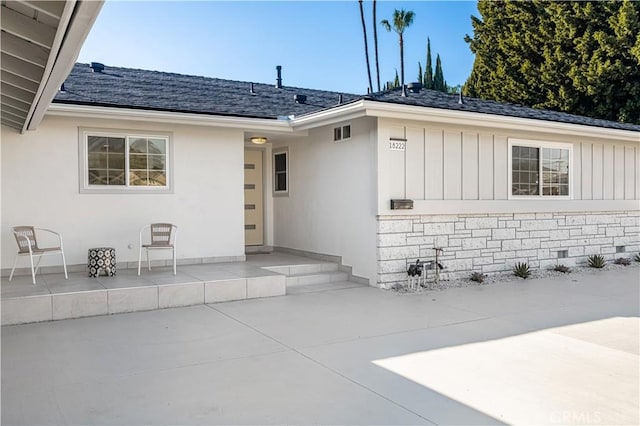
(563, 254)
(620, 249)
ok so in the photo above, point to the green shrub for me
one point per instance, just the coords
(562, 268)
(596, 261)
(521, 270)
(477, 277)
(622, 261)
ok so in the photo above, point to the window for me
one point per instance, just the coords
(280, 170)
(341, 133)
(539, 169)
(124, 162)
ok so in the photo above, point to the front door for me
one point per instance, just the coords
(253, 198)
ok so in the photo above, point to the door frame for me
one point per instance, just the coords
(267, 199)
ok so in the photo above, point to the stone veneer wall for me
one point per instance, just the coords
(493, 243)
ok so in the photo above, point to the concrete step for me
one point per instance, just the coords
(317, 278)
(310, 268)
(315, 288)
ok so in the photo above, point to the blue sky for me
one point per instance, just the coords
(319, 44)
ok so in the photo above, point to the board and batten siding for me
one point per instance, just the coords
(449, 164)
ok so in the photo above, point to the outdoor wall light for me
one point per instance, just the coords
(259, 140)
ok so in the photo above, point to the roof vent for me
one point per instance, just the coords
(414, 87)
(300, 99)
(96, 67)
(340, 99)
(279, 77)
(253, 92)
(62, 89)
(460, 100)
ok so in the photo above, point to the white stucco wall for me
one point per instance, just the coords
(40, 187)
(331, 205)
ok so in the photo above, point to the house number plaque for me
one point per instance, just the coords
(397, 144)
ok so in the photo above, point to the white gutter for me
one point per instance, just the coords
(357, 109)
(129, 114)
(340, 113)
(75, 23)
(493, 121)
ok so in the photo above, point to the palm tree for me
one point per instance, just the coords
(366, 46)
(375, 43)
(401, 21)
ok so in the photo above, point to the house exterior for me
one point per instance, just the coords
(491, 184)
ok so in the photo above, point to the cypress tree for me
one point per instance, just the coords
(438, 78)
(428, 73)
(420, 74)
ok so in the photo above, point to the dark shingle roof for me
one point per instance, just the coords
(161, 91)
(437, 99)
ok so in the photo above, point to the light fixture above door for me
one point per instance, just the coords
(258, 140)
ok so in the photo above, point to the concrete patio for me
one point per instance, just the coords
(549, 351)
(261, 275)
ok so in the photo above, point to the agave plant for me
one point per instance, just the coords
(596, 261)
(521, 270)
(622, 261)
(637, 257)
(562, 268)
(477, 277)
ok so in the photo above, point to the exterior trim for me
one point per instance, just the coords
(431, 207)
(347, 112)
(85, 111)
(537, 144)
(494, 121)
(76, 22)
(276, 151)
(83, 166)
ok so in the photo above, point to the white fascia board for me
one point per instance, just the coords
(476, 119)
(330, 116)
(76, 22)
(129, 114)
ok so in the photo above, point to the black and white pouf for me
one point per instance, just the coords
(102, 259)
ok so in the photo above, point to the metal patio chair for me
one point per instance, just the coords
(28, 246)
(163, 237)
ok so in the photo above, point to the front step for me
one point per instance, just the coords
(306, 269)
(310, 274)
(319, 278)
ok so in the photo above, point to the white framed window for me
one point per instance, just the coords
(281, 172)
(342, 133)
(539, 169)
(121, 161)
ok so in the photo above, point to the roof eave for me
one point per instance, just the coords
(77, 20)
(348, 111)
(493, 121)
(129, 114)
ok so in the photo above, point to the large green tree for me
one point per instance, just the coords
(401, 21)
(578, 57)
